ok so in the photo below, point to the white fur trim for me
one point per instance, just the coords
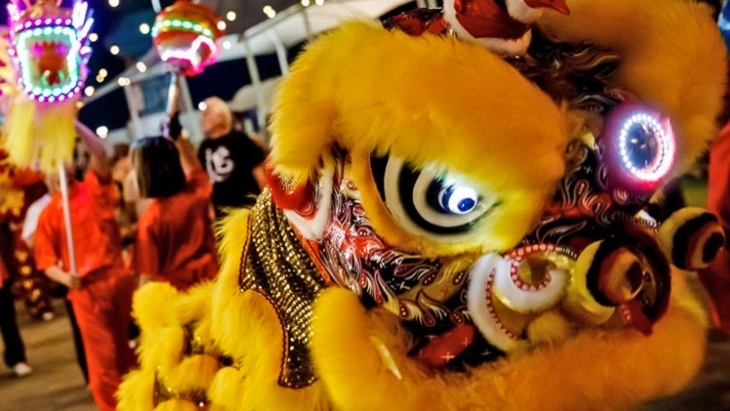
(450, 17)
(503, 47)
(313, 228)
(507, 47)
(521, 12)
(481, 275)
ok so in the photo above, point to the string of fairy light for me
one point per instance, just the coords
(148, 29)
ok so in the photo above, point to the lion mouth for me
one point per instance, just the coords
(48, 62)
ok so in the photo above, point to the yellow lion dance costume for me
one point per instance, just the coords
(449, 230)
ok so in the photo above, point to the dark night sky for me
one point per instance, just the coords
(120, 26)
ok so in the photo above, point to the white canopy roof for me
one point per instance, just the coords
(287, 28)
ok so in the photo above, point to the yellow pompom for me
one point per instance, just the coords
(226, 388)
(136, 393)
(177, 405)
(193, 373)
(41, 136)
(151, 305)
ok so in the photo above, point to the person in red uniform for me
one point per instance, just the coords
(101, 289)
(175, 240)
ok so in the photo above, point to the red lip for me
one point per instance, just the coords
(557, 5)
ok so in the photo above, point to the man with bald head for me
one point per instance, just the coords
(233, 161)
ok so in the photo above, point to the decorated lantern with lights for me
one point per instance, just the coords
(185, 36)
(49, 48)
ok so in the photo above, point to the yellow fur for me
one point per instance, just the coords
(450, 104)
(195, 305)
(193, 373)
(337, 95)
(40, 134)
(255, 340)
(163, 314)
(226, 288)
(226, 388)
(596, 370)
(151, 303)
(672, 56)
(550, 327)
(442, 103)
(177, 405)
(137, 391)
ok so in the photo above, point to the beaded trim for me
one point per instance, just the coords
(275, 265)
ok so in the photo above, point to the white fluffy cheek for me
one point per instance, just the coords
(522, 12)
(313, 227)
(493, 282)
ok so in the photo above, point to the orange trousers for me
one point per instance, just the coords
(103, 310)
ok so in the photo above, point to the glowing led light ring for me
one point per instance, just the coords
(665, 157)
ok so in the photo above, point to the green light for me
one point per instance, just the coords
(182, 24)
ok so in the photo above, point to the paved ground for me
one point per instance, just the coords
(57, 384)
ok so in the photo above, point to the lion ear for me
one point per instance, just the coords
(302, 123)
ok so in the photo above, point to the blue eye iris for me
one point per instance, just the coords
(458, 199)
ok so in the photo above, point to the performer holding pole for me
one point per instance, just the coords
(39, 131)
(67, 219)
(77, 242)
(101, 287)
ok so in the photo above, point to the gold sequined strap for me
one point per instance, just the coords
(275, 265)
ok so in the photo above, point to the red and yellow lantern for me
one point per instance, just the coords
(185, 36)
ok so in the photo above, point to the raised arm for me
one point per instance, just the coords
(188, 156)
(99, 159)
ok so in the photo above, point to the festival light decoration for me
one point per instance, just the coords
(185, 36)
(639, 146)
(50, 46)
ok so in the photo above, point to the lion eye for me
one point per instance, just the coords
(428, 201)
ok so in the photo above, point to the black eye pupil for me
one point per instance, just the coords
(642, 145)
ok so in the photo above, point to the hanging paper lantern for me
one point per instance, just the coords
(49, 47)
(185, 36)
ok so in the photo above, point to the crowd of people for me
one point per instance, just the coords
(144, 214)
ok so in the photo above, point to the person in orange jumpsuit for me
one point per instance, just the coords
(101, 289)
(175, 241)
